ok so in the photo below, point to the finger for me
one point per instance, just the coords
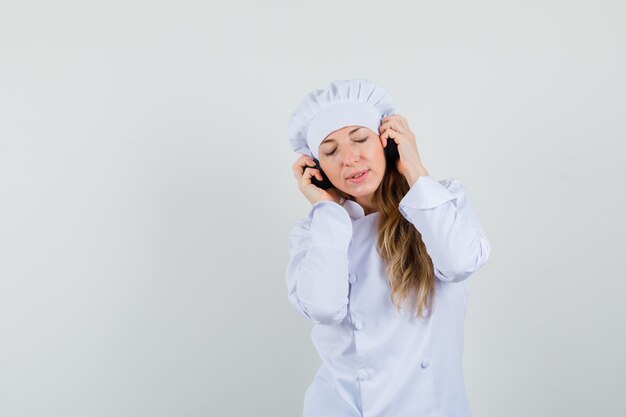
(390, 134)
(315, 173)
(384, 137)
(393, 124)
(303, 162)
(307, 163)
(300, 164)
(392, 117)
(399, 122)
(383, 141)
(297, 172)
(309, 173)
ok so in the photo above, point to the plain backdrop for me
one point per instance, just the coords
(146, 194)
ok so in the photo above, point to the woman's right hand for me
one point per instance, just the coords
(310, 190)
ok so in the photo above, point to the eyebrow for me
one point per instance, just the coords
(349, 134)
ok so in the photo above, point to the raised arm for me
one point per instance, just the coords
(317, 271)
(442, 213)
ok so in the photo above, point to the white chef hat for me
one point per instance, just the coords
(355, 102)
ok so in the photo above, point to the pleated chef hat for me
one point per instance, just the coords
(355, 102)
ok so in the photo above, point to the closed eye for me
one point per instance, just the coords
(331, 153)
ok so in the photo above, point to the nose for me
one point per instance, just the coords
(350, 155)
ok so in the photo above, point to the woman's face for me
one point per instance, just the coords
(349, 150)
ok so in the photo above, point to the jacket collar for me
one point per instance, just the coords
(355, 210)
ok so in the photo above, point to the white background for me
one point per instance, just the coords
(146, 194)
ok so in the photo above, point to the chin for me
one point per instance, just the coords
(361, 190)
(364, 194)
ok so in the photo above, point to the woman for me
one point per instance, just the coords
(373, 250)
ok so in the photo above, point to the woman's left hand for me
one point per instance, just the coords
(409, 164)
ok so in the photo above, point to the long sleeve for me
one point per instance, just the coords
(442, 213)
(317, 271)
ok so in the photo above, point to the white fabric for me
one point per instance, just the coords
(355, 102)
(375, 361)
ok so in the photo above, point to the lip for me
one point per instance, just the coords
(361, 178)
(356, 172)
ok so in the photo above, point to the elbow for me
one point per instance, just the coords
(325, 314)
(467, 265)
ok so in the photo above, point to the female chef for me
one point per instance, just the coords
(381, 262)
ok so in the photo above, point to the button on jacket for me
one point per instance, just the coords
(377, 362)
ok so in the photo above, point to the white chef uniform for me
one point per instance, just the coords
(377, 362)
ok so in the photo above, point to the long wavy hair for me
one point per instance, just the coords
(409, 266)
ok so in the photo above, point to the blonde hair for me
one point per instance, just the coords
(409, 267)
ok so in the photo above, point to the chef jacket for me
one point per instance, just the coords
(376, 361)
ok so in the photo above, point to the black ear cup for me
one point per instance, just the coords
(325, 183)
(391, 150)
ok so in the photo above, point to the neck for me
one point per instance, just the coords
(367, 206)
